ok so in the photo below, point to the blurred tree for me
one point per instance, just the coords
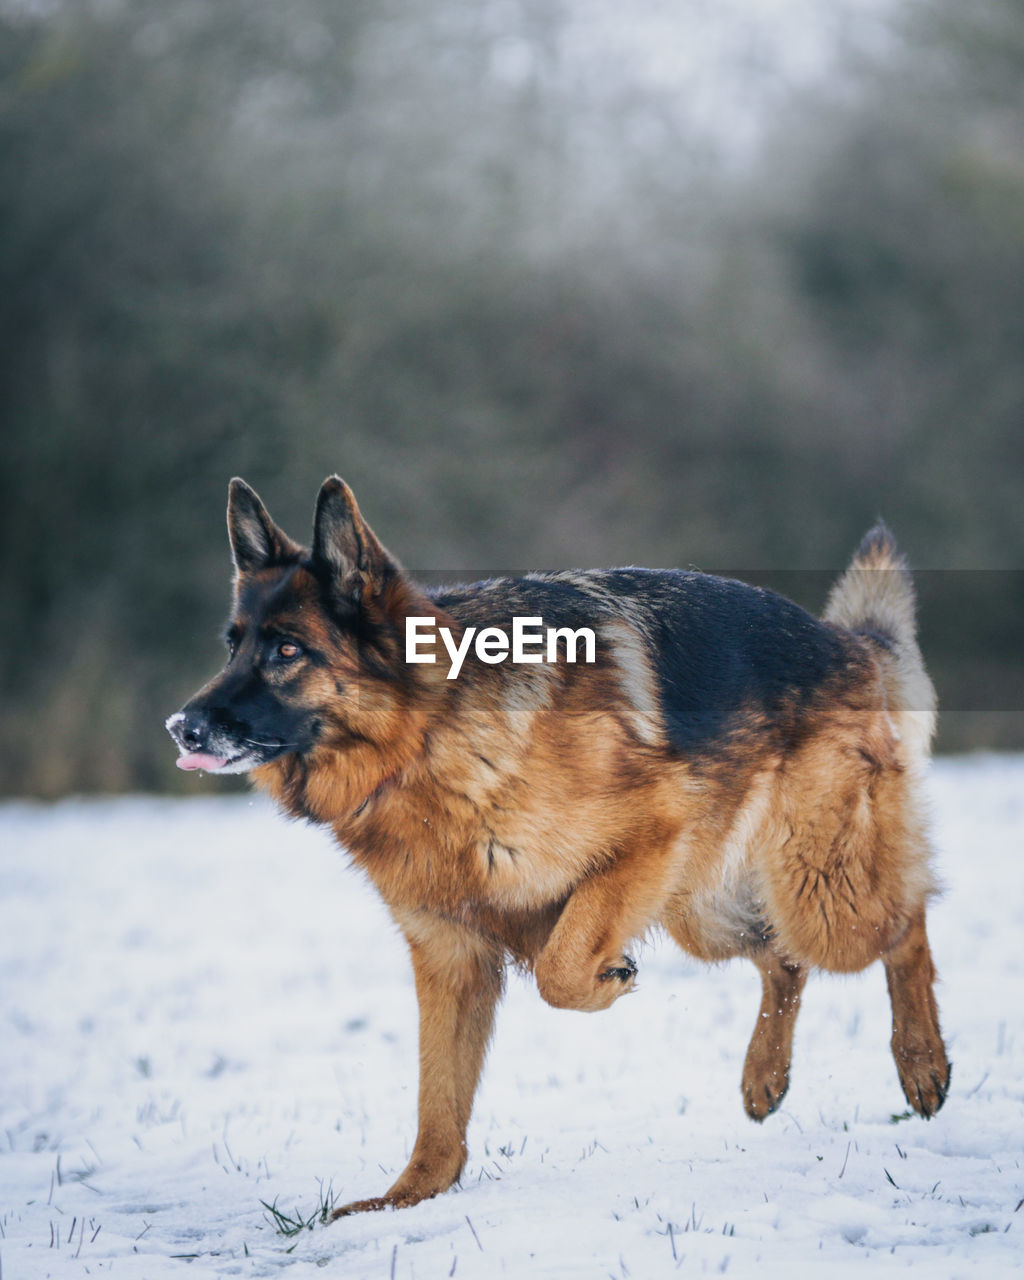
(139, 361)
(904, 235)
(515, 306)
(899, 230)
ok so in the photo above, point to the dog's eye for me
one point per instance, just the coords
(288, 650)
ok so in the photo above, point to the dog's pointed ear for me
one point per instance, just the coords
(256, 542)
(346, 551)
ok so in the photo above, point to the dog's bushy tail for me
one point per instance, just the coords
(876, 593)
(875, 598)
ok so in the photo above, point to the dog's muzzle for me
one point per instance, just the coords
(199, 746)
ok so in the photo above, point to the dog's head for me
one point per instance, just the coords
(314, 640)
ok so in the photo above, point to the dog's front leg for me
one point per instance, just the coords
(584, 964)
(459, 980)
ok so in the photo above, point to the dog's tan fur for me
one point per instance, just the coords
(542, 815)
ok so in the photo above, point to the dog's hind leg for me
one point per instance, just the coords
(917, 1044)
(459, 980)
(766, 1069)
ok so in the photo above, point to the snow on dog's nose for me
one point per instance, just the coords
(191, 730)
(173, 723)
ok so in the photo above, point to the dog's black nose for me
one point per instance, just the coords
(195, 729)
(189, 728)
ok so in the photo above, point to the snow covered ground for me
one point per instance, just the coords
(203, 1008)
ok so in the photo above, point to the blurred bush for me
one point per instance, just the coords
(533, 326)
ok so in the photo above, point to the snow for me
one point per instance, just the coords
(204, 1008)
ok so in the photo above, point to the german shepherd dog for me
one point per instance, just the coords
(728, 768)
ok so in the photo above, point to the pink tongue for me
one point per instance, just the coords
(199, 760)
